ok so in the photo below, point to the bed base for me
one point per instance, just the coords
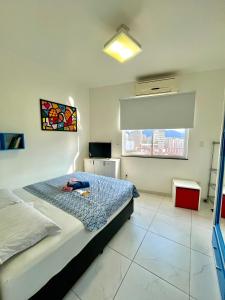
(58, 286)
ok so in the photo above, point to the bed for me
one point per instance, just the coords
(50, 268)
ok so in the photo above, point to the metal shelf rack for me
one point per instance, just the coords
(213, 172)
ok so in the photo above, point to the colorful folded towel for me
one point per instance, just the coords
(78, 185)
(67, 189)
(72, 180)
(75, 184)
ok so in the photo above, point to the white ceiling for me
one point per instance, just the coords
(66, 36)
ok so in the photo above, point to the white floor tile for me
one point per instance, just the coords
(204, 285)
(201, 221)
(128, 239)
(205, 210)
(201, 239)
(166, 259)
(143, 285)
(148, 201)
(167, 199)
(70, 296)
(103, 277)
(167, 208)
(176, 229)
(161, 252)
(142, 216)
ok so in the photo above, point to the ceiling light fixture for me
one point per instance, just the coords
(122, 46)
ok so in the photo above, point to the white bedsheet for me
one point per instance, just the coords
(23, 275)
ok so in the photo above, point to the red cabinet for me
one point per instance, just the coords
(186, 194)
(223, 207)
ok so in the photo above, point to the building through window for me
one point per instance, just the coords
(170, 143)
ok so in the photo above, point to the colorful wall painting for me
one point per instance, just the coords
(58, 117)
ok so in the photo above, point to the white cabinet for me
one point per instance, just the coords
(89, 165)
(99, 167)
(106, 167)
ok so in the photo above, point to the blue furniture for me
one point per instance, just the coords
(217, 239)
(11, 141)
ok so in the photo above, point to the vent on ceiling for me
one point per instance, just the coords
(156, 86)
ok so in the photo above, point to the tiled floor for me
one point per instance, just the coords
(162, 253)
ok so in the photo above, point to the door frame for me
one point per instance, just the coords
(217, 238)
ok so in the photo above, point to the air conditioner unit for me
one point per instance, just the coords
(156, 86)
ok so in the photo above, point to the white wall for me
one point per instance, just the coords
(47, 154)
(156, 174)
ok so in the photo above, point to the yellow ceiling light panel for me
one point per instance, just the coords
(122, 46)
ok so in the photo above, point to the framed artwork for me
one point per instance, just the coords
(58, 117)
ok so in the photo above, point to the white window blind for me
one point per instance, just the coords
(158, 112)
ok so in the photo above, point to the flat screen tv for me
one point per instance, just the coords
(101, 150)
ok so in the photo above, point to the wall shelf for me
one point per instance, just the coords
(11, 141)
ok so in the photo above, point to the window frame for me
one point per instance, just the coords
(187, 134)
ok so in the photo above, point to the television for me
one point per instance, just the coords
(101, 150)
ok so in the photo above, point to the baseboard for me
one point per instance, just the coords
(155, 193)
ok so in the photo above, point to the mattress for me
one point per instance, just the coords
(26, 273)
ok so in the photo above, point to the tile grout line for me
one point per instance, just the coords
(132, 261)
(188, 247)
(192, 249)
(138, 225)
(169, 239)
(76, 294)
(161, 278)
(149, 231)
(201, 252)
(119, 253)
(122, 279)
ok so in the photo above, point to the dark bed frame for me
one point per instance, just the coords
(58, 286)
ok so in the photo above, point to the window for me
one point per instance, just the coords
(170, 143)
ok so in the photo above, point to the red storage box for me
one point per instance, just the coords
(186, 194)
(223, 207)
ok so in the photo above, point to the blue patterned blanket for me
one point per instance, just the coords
(106, 196)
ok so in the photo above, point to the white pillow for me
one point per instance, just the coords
(8, 198)
(22, 226)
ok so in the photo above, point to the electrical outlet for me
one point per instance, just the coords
(126, 175)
